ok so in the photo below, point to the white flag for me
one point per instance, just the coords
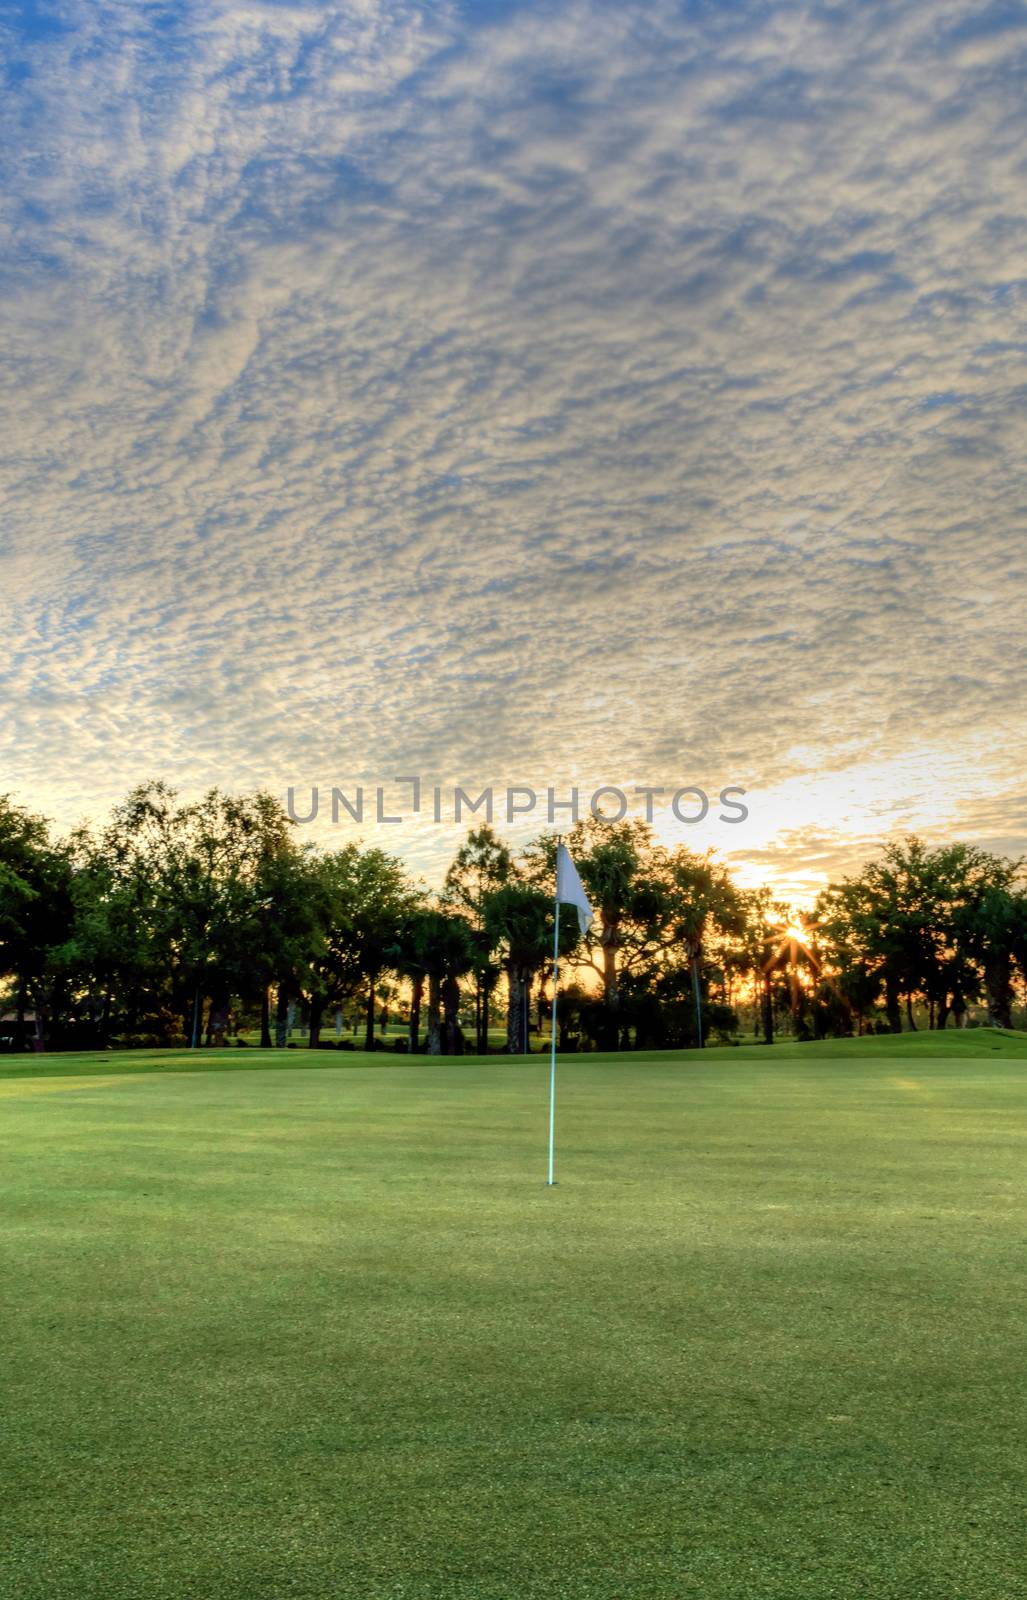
(569, 888)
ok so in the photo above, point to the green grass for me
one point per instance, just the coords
(325, 1333)
(952, 1043)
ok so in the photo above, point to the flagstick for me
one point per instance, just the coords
(552, 1041)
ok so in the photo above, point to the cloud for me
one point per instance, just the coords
(511, 393)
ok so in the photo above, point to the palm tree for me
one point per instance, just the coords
(786, 954)
(436, 947)
(519, 919)
(482, 865)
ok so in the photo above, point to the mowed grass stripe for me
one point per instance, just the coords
(301, 1332)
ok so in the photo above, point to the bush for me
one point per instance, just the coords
(721, 1021)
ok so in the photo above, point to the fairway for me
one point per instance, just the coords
(319, 1332)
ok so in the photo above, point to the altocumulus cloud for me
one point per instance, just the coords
(508, 392)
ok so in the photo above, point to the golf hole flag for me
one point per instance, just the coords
(570, 891)
(569, 888)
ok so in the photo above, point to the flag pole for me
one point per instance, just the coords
(552, 1021)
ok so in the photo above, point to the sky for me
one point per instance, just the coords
(511, 394)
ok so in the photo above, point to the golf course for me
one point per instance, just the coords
(310, 1325)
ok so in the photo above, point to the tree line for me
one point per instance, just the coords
(178, 921)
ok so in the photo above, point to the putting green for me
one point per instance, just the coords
(308, 1332)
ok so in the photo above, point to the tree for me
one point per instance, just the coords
(108, 953)
(850, 929)
(482, 865)
(618, 868)
(36, 913)
(748, 949)
(408, 958)
(656, 910)
(436, 946)
(990, 929)
(878, 925)
(204, 888)
(945, 924)
(702, 903)
(519, 921)
(333, 961)
(382, 895)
